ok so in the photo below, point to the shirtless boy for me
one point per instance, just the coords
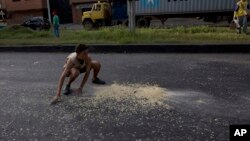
(78, 62)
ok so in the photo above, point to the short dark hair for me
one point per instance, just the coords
(80, 48)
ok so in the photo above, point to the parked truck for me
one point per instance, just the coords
(115, 12)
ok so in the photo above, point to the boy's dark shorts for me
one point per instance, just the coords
(83, 70)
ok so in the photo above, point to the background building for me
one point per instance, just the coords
(20, 10)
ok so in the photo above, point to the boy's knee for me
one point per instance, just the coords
(74, 73)
(95, 64)
(98, 64)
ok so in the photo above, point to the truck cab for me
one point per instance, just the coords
(100, 15)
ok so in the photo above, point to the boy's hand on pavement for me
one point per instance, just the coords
(79, 91)
(56, 99)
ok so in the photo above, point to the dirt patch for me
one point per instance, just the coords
(141, 94)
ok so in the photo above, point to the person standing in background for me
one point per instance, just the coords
(56, 24)
(236, 17)
(241, 11)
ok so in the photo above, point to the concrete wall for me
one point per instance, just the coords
(20, 16)
(76, 14)
(25, 5)
(2, 3)
(18, 11)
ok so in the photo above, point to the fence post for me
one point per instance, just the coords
(131, 15)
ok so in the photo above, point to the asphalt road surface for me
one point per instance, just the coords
(175, 97)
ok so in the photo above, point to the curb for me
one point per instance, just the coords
(157, 48)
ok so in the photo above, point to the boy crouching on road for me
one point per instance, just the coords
(78, 62)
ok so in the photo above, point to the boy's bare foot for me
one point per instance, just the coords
(55, 100)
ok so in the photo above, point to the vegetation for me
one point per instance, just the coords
(17, 35)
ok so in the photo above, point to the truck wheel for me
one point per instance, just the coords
(125, 23)
(108, 22)
(229, 19)
(142, 22)
(88, 24)
(215, 19)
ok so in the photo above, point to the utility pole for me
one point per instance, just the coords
(131, 15)
(48, 7)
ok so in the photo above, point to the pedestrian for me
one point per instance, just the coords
(236, 17)
(56, 24)
(78, 62)
(241, 12)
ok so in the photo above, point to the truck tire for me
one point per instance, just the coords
(142, 22)
(229, 19)
(125, 23)
(108, 22)
(88, 25)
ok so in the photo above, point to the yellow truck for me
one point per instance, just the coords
(106, 14)
(100, 15)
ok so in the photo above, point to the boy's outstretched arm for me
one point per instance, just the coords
(57, 98)
(61, 81)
